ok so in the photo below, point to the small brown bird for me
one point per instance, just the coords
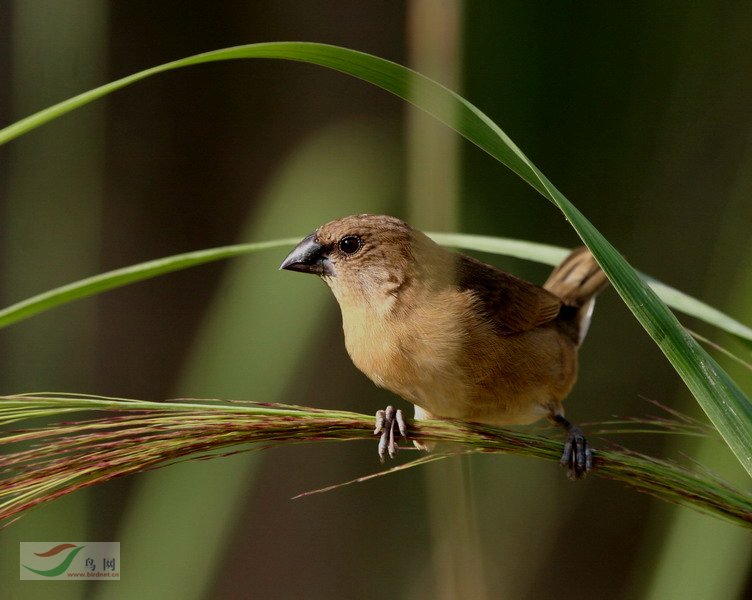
(456, 337)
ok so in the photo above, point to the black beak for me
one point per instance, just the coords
(307, 257)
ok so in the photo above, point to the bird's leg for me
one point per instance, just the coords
(577, 456)
(386, 420)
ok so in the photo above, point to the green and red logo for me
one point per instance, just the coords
(58, 551)
(70, 560)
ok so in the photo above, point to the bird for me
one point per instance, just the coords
(456, 337)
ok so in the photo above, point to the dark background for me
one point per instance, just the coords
(639, 114)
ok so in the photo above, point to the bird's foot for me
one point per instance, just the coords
(577, 457)
(386, 422)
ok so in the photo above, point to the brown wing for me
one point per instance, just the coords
(514, 305)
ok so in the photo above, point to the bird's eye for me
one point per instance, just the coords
(350, 244)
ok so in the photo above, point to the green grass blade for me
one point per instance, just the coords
(120, 277)
(542, 253)
(719, 396)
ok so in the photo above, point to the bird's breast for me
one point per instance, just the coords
(415, 353)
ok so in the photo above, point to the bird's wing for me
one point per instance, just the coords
(514, 305)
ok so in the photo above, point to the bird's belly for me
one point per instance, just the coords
(511, 382)
(445, 391)
(511, 409)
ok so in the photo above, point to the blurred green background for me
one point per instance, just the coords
(639, 113)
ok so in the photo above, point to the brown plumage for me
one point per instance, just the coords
(456, 337)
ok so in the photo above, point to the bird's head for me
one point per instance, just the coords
(365, 259)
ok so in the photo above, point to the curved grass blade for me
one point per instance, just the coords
(120, 277)
(542, 253)
(722, 400)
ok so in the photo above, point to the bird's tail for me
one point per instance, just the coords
(577, 280)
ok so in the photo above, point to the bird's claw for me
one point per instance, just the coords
(386, 421)
(578, 455)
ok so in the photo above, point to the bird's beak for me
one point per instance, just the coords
(308, 257)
